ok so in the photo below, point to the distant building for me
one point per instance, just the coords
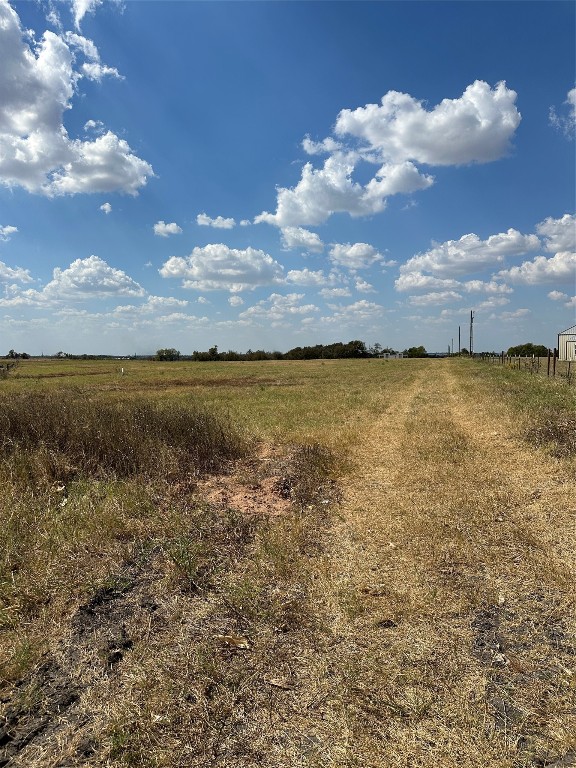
(567, 344)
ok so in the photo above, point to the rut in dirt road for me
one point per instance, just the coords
(457, 568)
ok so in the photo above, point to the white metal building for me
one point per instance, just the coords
(567, 344)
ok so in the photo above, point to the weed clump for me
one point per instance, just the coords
(121, 439)
(309, 477)
(556, 429)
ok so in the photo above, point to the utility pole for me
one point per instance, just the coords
(471, 332)
(459, 347)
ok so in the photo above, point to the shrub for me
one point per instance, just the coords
(554, 427)
(121, 438)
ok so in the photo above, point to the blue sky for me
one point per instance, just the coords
(271, 174)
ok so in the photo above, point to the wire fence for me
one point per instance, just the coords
(549, 366)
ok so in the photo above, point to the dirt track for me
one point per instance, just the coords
(456, 557)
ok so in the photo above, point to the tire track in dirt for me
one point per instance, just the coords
(455, 582)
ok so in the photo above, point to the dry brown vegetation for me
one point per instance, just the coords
(397, 594)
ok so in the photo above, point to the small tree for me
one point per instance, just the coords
(415, 352)
(168, 354)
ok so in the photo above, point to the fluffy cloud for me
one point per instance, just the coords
(566, 122)
(298, 237)
(218, 223)
(91, 277)
(331, 189)
(8, 274)
(7, 231)
(318, 194)
(152, 305)
(335, 293)
(310, 277)
(327, 146)
(557, 296)
(477, 127)
(218, 267)
(363, 287)
(397, 135)
(159, 303)
(559, 234)
(560, 268)
(106, 208)
(276, 309)
(356, 256)
(235, 301)
(440, 297)
(350, 314)
(163, 230)
(416, 281)
(37, 83)
(470, 254)
(560, 239)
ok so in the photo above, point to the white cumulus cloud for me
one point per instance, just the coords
(560, 268)
(164, 230)
(476, 127)
(7, 274)
(84, 279)
(364, 287)
(91, 277)
(7, 231)
(354, 256)
(37, 83)
(335, 293)
(557, 296)
(106, 208)
(470, 254)
(435, 298)
(278, 308)
(397, 135)
(203, 220)
(218, 267)
(359, 312)
(559, 234)
(310, 277)
(298, 237)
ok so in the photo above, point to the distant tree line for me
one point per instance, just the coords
(527, 350)
(337, 351)
(12, 355)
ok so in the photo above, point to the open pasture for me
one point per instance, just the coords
(317, 400)
(368, 563)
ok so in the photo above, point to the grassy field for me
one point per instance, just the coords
(279, 400)
(321, 563)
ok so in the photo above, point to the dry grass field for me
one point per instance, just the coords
(324, 564)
